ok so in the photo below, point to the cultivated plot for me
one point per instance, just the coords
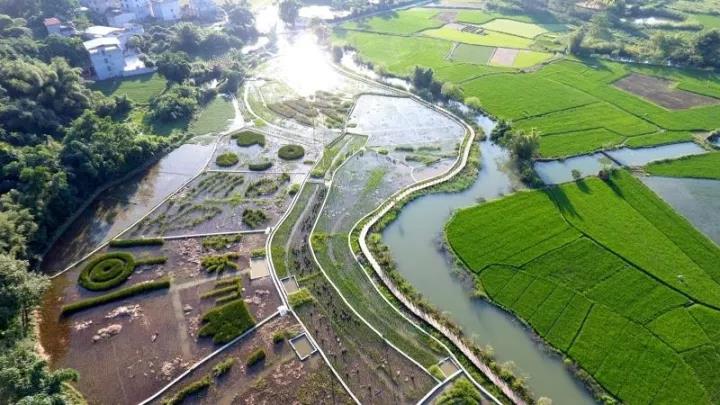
(663, 92)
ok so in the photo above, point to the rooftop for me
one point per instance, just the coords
(101, 31)
(51, 21)
(94, 44)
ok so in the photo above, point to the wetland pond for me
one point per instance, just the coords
(414, 240)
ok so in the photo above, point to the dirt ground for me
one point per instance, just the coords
(127, 349)
(447, 16)
(504, 57)
(660, 91)
(280, 379)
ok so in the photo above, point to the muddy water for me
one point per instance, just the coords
(643, 156)
(697, 200)
(414, 239)
(120, 206)
(560, 171)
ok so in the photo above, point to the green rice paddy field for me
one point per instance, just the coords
(700, 166)
(608, 274)
(572, 103)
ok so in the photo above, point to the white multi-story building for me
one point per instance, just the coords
(167, 10)
(119, 18)
(106, 56)
(100, 6)
(142, 8)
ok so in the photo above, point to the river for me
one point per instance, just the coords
(414, 241)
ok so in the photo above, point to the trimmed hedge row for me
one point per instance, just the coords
(116, 295)
(135, 242)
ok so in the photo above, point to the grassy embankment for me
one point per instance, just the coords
(608, 274)
(700, 166)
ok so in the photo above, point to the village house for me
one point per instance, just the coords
(54, 26)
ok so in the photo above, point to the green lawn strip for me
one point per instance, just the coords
(705, 166)
(278, 250)
(488, 38)
(226, 322)
(401, 22)
(214, 117)
(116, 295)
(659, 138)
(139, 89)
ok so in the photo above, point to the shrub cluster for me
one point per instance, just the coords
(135, 242)
(248, 138)
(223, 367)
(197, 386)
(226, 159)
(255, 357)
(220, 241)
(226, 322)
(280, 336)
(254, 218)
(116, 295)
(291, 152)
(107, 271)
(260, 166)
(220, 263)
(258, 253)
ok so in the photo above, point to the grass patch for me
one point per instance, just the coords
(214, 117)
(248, 138)
(476, 54)
(188, 390)
(526, 58)
(291, 152)
(121, 243)
(223, 367)
(400, 22)
(226, 322)
(139, 89)
(226, 159)
(300, 298)
(705, 166)
(487, 38)
(116, 295)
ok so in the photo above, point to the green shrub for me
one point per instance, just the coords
(192, 388)
(150, 260)
(226, 322)
(436, 372)
(260, 166)
(255, 357)
(254, 218)
(220, 241)
(107, 271)
(135, 242)
(280, 336)
(116, 295)
(294, 189)
(223, 367)
(383, 151)
(226, 159)
(227, 298)
(291, 152)
(220, 291)
(220, 263)
(258, 253)
(248, 138)
(405, 149)
(300, 298)
(228, 281)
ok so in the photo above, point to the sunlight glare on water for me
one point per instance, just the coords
(303, 65)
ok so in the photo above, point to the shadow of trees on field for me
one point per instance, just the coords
(562, 202)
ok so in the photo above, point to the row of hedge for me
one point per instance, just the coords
(120, 243)
(136, 289)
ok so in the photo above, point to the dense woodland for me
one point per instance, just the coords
(60, 141)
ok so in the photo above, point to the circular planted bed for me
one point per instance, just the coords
(248, 138)
(226, 159)
(291, 152)
(260, 166)
(107, 271)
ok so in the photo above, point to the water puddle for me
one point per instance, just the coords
(698, 200)
(561, 171)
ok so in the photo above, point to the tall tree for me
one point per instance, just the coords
(289, 11)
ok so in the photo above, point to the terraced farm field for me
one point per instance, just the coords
(608, 274)
(700, 167)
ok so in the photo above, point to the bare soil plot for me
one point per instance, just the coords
(280, 378)
(447, 16)
(127, 349)
(448, 367)
(662, 92)
(504, 56)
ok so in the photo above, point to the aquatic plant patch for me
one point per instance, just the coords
(260, 166)
(248, 138)
(255, 358)
(220, 263)
(226, 159)
(291, 152)
(107, 271)
(254, 218)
